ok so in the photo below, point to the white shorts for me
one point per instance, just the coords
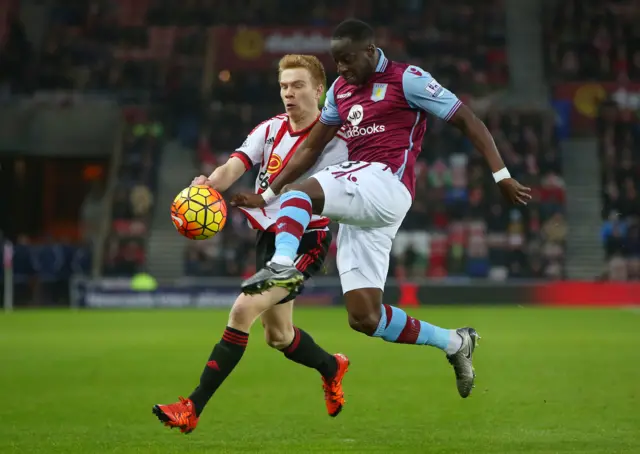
(370, 203)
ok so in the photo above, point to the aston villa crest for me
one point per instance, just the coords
(378, 93)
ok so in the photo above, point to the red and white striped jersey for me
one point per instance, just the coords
(271, 145)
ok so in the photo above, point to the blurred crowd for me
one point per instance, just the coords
(133, 199)
(619, 144)
(154, 52)
(594, 40)
(459, 224)
(600, 41)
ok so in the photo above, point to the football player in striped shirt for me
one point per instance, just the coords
(270, 146)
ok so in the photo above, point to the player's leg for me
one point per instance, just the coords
(297, 204)
(363, 261)
(333, 192)
(298, 346)
(369, 315)
(226, 354)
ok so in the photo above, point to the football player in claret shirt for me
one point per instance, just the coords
(382, 105)
(271, 146)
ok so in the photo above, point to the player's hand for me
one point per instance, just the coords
(199, 181)
(247, 200)
(514, 192)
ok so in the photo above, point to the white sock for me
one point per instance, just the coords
(455, 342)
(282, 260)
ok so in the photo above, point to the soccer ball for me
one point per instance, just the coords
(199, 212)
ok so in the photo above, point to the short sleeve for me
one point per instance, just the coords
(423, 92)
(252, 149)
(330, 114)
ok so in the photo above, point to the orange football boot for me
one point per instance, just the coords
(181, 414)
(333, 393)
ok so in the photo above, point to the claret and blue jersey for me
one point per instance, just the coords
(385, 118)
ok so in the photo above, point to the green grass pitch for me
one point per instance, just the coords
(549, 381)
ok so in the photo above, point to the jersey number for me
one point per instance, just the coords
(348, 164)
(347, 169)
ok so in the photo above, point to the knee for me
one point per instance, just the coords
(364, 306)
(243, 313)
(290, 187)
(365, 322)
(278, 337)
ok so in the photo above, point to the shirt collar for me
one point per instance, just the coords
(383, 62)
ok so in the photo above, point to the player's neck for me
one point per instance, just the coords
(303, 121)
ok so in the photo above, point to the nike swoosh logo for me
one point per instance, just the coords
(177, 220)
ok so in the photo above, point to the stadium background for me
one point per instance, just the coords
(109, 107)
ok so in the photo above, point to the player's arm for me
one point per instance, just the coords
(475, 129)
(241, 160)
(423, 92)
(225, 175)
(309, 152)
(306, 156)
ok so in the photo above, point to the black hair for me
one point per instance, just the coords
(355, 30)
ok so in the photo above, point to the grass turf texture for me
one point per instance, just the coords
(549, 381)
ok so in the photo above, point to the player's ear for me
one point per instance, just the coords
(371, 49)
(319, 91)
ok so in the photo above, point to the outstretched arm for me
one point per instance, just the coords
(306, 156)
(224, 176)
(475, 129)
(423, 92)
(244, 158)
